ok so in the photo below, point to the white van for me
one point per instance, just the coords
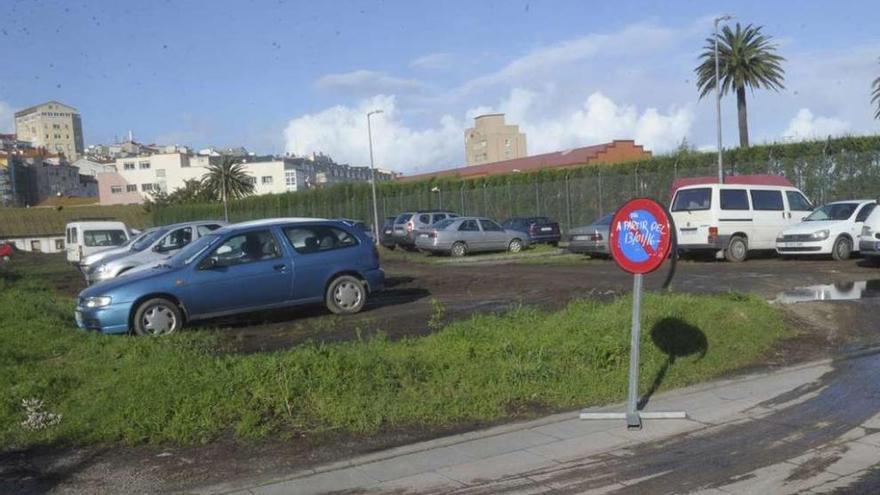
(85, 237)
(733, 219)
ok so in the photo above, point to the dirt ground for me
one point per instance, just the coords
(414, 294)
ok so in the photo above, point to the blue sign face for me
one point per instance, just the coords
(639, 236)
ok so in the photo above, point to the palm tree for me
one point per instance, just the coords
(227, 180)
(746, 58)
(875, 99)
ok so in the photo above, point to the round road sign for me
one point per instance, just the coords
(640, 235)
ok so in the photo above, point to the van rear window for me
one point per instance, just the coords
(104, 238)
(692, 199)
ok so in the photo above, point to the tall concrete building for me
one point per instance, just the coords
(54, 126)
(491, 140)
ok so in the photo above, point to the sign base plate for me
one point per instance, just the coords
(634, 421)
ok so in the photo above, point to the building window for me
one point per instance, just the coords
(128, 165)
(35, 247)
(59, 244)
(131, 188)
(144, 165)
(252, 180)
(267, 180)
(160, 173)
(115, 189)
(148, 187)
(290, 179)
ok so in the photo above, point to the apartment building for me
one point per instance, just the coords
(492, 140)
(53, 126)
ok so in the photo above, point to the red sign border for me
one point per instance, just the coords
(659, 212)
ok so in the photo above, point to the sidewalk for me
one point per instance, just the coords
(758, 433)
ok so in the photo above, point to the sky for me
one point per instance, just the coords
(299, 76)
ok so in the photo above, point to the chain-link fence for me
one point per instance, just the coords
(572, 197)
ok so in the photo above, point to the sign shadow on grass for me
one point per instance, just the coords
(675, 338)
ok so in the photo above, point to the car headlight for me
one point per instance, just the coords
(97, 302)
(820, 235)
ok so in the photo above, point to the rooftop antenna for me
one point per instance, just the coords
(130, 136)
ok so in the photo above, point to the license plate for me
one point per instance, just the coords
(79, 318)
(423, 235)
(546, 229)
(688, 232)
(387, 232)
(581, 238)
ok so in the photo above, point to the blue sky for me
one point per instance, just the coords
(280, 76)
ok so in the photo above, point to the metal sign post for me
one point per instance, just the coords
(640, 239)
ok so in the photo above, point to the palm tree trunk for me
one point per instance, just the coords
(742, 115)
(225, 207)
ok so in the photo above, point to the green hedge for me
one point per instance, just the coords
(824, 170)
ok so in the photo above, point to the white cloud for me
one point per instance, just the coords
(6, 118)
(635, 39)
(807, 126)
(341, 132)
(433, 61)
(368, 82)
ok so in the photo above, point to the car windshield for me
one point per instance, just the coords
(692, 199)
(193, 250)
(605, 220)
(146, 239)
(442, 224)
(834, 211)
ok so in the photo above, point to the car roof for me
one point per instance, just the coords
(269, 222)
(860, 201)
(194, 222)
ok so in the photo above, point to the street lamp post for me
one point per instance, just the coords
(725, 17)
(373, 176)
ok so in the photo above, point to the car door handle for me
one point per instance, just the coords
(280, 268)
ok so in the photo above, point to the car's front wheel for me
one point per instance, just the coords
(345, 295)
(842, 249)
(156, 317)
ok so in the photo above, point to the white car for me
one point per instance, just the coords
(831, 229)
(869, 240)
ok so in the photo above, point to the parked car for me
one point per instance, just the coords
(406, 224)
(84, 237)
(831, 229)
(6, 250)
(362, 226)
(93, 259)
(869, 237)
(161, 243)
(732, 219)
(239, 268)
(462, 235)
(591, 239)
(386, 233)
(539, 229)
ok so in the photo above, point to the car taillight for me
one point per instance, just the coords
(596, 237)
(713, 234)
(409, 226)
(432, 234)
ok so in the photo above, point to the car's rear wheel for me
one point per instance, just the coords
(458, 250)
(842, 249)
(737, 249)
(156, 317)
(515, 246)
(345, 295)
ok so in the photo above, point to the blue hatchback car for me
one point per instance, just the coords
(244, 267)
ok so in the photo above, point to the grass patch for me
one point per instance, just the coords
(179, 390)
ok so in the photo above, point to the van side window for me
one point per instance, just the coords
(797, 201)
(767, 200)
(734, 199)
(865, 212)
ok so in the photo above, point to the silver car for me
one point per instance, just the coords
(93, 259)
(591, 239)
(462, 235)
(158, 245)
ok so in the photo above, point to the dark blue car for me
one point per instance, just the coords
(244, 267)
